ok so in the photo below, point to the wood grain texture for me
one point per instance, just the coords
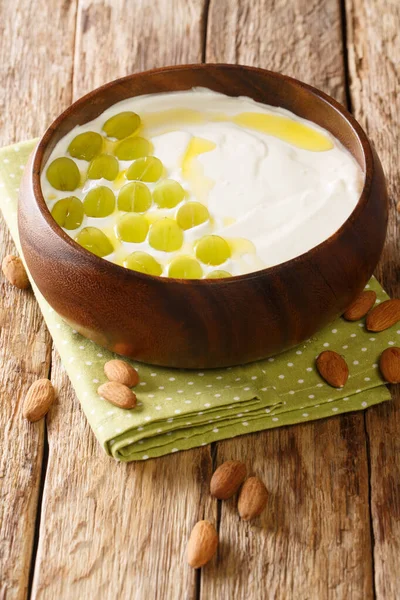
(374, 55)
(119, 530)
(313, 541)
(27, 104)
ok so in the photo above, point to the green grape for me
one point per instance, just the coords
(192, 214)
(95, 241)
(132, 228)
(121, 125)
(148, 168)
(185, 267)
(63, 174)
(168, 193)
(103, 166)
(143, 262)
(218, 274)
(134, 197)
(131, 148)
(68, 213)
(86, 145)
(166, 235)
(99, 202)
(213, 250)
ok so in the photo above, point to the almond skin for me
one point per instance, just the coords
(333, 368)
(227, 479)
(14, 271)
(202, 545)
(121, 371)
(360, 306)
(118, 394)
(38, 400)
(389, 365)
(252, 498)
(384, 315)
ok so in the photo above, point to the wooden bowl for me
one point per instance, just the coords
(206, 323)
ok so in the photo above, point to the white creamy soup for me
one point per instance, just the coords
(199, 184)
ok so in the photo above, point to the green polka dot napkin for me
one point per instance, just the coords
(183, 409)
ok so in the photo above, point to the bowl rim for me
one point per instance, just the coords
(98, 262)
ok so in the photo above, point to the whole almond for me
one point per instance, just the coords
(38, 400)
(202, 545)
(333, 368)
(389, 365)
(252, 498)
(121, 371)
(384, 315)
(227, 479)
(118, 394)
(14, 270)
(360, 306)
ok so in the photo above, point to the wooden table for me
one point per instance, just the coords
(73, 523)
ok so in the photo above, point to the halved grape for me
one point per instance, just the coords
(218, 274)
(134, 197)
(213, 250)
(99, 202)
(95, 241)
(192, 214)
(68, 212)
(133, 147)
(185, 267)
(121, 125)
(132, 228)
(166, 235)
(143, 262)
(168, 193)
(63, 174)
(86, 145)
(103, 166)
(148, 168)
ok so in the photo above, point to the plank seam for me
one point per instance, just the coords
(345, 54)
(204, 29)
(38, 516)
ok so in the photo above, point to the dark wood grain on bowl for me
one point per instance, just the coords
(206, 323)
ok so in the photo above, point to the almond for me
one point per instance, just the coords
(333, 368)
(252, 498)
(227, 479)
(389, 365)
(384, 315)
(360, 306)
(202, 544)
(121, 371)
(118, 394)
(14, 271)
(38, 400)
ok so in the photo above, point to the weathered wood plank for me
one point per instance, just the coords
(314, 539)
(374, 59)
(35, 86)
(108, 529)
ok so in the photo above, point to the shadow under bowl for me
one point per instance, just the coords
(205, 323)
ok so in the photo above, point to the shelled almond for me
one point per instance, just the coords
(202, 545)
(118, 394)
(360, 306)
(227, 479)
(333, 368)
(15, 272)
(38, 400)
(384, 315)
(122, 372)
(389, 364)
(252, 498)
